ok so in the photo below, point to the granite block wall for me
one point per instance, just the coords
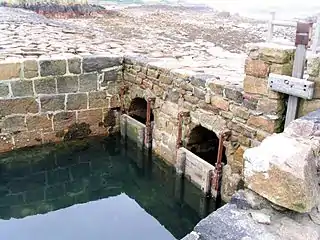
(40, 99)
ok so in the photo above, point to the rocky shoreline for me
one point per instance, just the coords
(54, 10)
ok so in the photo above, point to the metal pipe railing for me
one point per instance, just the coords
(273, 22)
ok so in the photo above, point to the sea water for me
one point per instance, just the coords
(97, 189)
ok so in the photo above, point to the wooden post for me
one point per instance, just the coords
(302, 40)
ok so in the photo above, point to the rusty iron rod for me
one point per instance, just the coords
(180, 122)
(218, 166)
(148, 122)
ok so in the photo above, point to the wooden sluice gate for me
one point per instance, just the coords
(203, 174)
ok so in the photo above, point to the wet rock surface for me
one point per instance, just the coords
(234, 221)
(58, 10)
(200, 40)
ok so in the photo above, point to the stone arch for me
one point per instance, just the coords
(204, 143)
(138, 110)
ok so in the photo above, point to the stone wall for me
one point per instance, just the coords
(313, 71)
(251, 112)
(40, 99)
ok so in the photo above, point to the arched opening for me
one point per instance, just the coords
(204, 143)
(138, 110)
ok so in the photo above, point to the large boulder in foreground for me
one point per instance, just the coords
(283, 169)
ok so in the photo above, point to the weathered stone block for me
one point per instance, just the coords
(211, 121)
(245, 141)
(200, 80)
(52, 103)
(30, 69)
(98, 100)
(274, 53)
(283, 169)
(67, 84)
(52, 67)
(39, 122)
(77, 101)
(199, 93)
(313, 65)
(27, 139)
(88, 82)
(173, 95)
(45, 85)
(307, 106)
(6, 143)
(97, 63)
(216, 86)
(191, 99)
(166, 79)
(271, 106)
(4, 90)
(233, 93)
(9, 70)
(18, 106)
(239, 111)
(22, 88)
(131, 78)
(282, 69)
(264, 123)
(115, 101)
(94, 119)
(242, 129)
(255, 85)
(74, 65)
(14, 123)
(228, 115)
(257, 68)
(230, 182)
(170, 109)
(237, 161)
(110, 75)
(220, 103)
(250, 101)
(63, 120)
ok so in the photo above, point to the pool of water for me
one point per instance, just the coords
(96, 189)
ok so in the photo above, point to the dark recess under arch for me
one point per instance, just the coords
(204, 143)
(138, 110)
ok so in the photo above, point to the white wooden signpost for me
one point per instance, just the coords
(295, 86)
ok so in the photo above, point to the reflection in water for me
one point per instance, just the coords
(56, 192)
(102, 219)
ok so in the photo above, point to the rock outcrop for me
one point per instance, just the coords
(284, 168)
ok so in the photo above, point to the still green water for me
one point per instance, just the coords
(95, 189)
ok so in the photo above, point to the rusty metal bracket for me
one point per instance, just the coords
(148, 136)
(224, 135)
(123, 90)
(303, 33)
(181, 115)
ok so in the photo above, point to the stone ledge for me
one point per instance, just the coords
(283, 169)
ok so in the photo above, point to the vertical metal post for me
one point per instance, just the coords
(218, 167)
(270, 26)
(148, 134)
(302, 40)
(316, 37)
